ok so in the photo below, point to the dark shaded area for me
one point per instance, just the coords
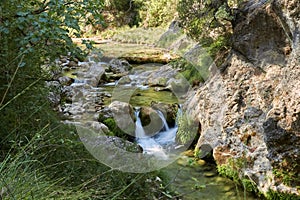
(283, 147)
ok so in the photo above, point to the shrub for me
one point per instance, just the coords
(154, 13)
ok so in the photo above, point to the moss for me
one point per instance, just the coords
(187, 130)
(272, 195)
(114, 129)
(189, 71)
(227, 171)
(231, 171)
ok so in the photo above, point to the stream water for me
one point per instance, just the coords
(157, 144)
(191, 179)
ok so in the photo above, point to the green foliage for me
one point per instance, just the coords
(187, 129)
(231, 170)
(114, 128)
(57, 166)
(287, 177)
(271, 195)
(209, 22)
(189, 71)
(249, 185)
(227, 171)
(201, 18)
(154, 13)
(33, 33)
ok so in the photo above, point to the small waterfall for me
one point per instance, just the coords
(162, 117)
(155, 145)
(78, 82)
(139, 130)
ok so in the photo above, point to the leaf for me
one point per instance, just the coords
(22, 14)
(43, 20)
(22, 64)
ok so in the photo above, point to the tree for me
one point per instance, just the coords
(208, 21)
(32, 33)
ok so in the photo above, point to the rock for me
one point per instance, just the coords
(258, 43)
(67, 92)
(65, 80)
(119, 66)
(209, 174)
(150, 120)
(124, 80)
(188, 153)
(252, 112)
(104, 114)
(97, 127)
(169, 111)
(249, 112)
(182, 162)
(179, 86)
(66, 69)
(123, 114)
(98, 142)
(201, 162)
(73, 64)
(54, 98)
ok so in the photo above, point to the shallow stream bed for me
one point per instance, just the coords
(190, 179)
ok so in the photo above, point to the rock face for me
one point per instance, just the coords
(250, 113)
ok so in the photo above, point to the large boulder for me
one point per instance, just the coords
(119, 66)
(169, 111)
(123, 116)
(150, 120)
(250, 113)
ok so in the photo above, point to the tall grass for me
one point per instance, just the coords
(60, 168)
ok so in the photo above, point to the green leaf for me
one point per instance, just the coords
(21, 13)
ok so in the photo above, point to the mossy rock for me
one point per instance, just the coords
(169, 111)
(149, 56)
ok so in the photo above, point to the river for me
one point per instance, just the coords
(190, 178)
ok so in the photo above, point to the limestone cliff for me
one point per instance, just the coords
(250, 110)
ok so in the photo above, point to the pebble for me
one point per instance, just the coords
(209, 174)
(226, 188)
(181, 162)
(189, 153)
(201, 162)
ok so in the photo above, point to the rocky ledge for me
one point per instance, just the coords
(250, 112)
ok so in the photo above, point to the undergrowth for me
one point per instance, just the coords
(58, 167)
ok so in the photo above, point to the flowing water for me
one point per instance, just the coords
(191, 179)
(158, 144)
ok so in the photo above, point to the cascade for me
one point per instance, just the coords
(162, 117)
(139, 130)
(158, 144)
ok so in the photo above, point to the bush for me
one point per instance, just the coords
(210, 23)
(189, 71)
(154, 13)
